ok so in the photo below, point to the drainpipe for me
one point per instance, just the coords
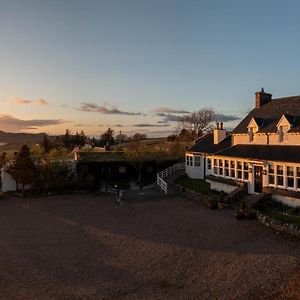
(204, 166)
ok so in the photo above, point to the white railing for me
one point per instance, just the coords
(165, 173)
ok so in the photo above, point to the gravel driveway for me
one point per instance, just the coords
(86, 247)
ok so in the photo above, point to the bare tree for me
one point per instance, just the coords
(198, 122)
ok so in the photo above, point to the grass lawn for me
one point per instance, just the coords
(197, 185)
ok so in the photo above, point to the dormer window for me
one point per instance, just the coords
(252, 129)
(251, 134)
(283, 126)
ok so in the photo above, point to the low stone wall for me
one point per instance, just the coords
(278, 225)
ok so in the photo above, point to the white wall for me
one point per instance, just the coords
(195, 172)
(262, 139)
(289, 201)
(218, 186)
(8, 184)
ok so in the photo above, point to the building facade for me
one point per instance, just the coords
(262, 153)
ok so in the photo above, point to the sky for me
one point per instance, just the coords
(138, 65)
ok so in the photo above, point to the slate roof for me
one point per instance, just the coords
(268, 115)
(264, 152)
(206, 144)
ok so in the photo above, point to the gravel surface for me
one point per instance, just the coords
(86, 247)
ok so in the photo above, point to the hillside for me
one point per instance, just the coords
(10, 137)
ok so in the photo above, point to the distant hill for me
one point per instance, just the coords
(10, 137)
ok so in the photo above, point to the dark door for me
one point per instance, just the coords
(258, 179)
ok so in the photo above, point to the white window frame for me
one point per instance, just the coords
(197, 161)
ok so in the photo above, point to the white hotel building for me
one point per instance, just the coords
(262, 154)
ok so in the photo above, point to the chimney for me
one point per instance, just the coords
(262, 98)
(219, 133)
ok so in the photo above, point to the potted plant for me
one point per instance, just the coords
(243, 208)
(221, 203)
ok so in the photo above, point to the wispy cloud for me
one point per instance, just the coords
(92, 107)
(43, 102)
(169, 110)
(226, 118)
(18, 100)
(168, 117)
(10, 123)
(150, 125)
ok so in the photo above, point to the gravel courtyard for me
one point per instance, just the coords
(87, 247)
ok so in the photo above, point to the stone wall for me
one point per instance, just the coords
(278, 225)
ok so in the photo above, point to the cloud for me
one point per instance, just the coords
(169, 110)
(168, 117)
(40, 101)
(17, 100)
(150, 125)
(225, 118)
(118, 125)
(91, 107)
(43, 102)
(10, 123)
(82, 125)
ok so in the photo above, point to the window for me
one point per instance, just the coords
(246, 171)
(122, 170)
(279, 175)
(271, 174)
(220, 167)
(216, 168)
(290, 176)
(239, 170)
(251, 134)
(282, 133)
(189, 160)
(232, 169)
(298, 177)
(197, 161)
(209, 164)
(227, 174)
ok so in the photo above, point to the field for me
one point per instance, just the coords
(87, 247)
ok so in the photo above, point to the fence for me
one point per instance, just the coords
(166, 173)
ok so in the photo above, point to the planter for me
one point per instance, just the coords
(239, 216)
(221, 205)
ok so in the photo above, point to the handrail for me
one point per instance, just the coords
(165, 173)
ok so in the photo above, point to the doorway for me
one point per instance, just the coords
(258, 179)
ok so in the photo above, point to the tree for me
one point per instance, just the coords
(139, 136)
(136, 154)
(23, 170)
(198, 122)
(66, 139)
(82, 138)
(3, 159)
(46, 144)
(107, 138)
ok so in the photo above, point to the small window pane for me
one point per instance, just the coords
(220, 162)
(298, 171)
(271, 169)
(232, 173)
(271, 179)
(290, 171)
(280, 180)
(239, 174)
(232, 164)
(290, 182)
(209, 164)
(280, 170)
(239, 165)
